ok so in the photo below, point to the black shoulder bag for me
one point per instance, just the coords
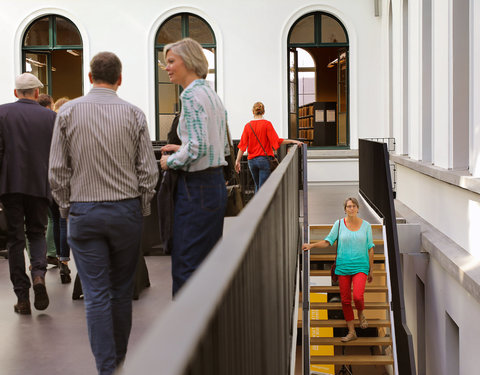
(235, 201)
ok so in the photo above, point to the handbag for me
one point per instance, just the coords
(235, 202)
(272, 160)
(333, 275)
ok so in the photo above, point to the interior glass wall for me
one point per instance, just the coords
(168, 94)
(318, 81)
(53, 50)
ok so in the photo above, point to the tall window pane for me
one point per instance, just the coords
(36, 64)
(306, 77)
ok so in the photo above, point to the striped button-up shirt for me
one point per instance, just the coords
(101, 151)
(202, 130)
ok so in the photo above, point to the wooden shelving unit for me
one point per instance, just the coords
(317, 125)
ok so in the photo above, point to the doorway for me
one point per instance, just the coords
(318, 81)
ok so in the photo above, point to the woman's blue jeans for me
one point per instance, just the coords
(260, 169)
(200, 204)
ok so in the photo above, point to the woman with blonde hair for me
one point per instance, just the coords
(354, 262)
(259, 137)
(201, 195)
(61, 101)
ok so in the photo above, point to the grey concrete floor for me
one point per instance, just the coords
(325, 203)
(55, 341)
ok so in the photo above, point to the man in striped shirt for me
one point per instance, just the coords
(103, 174)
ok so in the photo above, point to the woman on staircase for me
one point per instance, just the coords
(354, 262)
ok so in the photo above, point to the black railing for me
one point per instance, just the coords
(376, 187)
(236, 313)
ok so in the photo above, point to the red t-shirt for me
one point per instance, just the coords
(266, 135)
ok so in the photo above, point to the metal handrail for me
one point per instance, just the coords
(375, 185)
(305, 275)
(235, 314)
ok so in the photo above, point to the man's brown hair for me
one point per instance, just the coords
(106, 67)
(45, 100)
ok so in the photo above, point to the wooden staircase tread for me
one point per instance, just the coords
(327, 273)
(336, 289)
(361, 341)
(352, 360)
(331, 257)
(338, 305)
(340, 323)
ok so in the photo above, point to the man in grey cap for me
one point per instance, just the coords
(25, 135)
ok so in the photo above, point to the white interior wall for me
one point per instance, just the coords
(452, 210)
(333, 171)
(251, 58)
(443, 295)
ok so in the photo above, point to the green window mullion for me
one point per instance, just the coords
(52, 35)
(318, 28)
(49, 73)
(65, 47)
(185, 26)
(37, 48)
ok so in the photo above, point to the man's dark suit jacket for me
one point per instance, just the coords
(26, 130)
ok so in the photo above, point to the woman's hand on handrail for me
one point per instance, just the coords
(320, 245)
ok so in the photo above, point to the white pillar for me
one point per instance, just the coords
(414, 79)
(441, 33)
(398, 77)
(475, 88)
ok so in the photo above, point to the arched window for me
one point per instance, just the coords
(318, 81)
(167, 94)
(52, 50)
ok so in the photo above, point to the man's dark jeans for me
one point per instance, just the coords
(105, 241)
(26, 214)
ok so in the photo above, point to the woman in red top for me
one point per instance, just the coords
(258, 133)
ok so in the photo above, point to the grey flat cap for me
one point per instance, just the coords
(27, 81)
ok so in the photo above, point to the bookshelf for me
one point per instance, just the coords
(317, 125)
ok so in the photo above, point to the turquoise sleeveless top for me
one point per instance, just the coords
(353, 247)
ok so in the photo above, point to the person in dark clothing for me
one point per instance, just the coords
(166, 194)
(25, 135)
